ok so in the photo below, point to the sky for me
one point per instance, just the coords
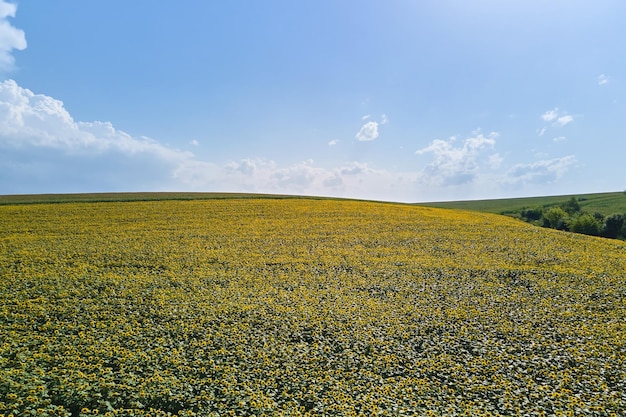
(399, 100)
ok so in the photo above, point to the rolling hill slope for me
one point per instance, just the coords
(605, 203)
(304, 307)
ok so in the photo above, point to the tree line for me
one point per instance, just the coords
(569, 216)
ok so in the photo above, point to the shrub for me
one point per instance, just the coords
(555, 218)
(613, 225)
(586, 224)
(532, 213)
(571, 206)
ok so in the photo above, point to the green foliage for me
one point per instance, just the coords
(571, 206)
(586, 224)
(605, 203)
(613, 225)
(559, 213)
(555, 218)
(531, 214)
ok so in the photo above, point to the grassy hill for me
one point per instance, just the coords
(304, 307)
(605, 203)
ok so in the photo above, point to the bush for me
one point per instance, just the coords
(532, 213)
(571, 206)
(586, 224)
(613, 225)
(555, 218)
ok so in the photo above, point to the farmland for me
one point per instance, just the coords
(278, 306)
(604, 203)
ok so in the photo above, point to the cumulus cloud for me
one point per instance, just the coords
(602, 79)
(458, 164)
(550, 115)
(563, 120)
(544, 171)
(36, 131)
(28, 119)
(10, 37)
(558, 118)
(495, 161)
(43, 149)
(368, 132)
(333, 142)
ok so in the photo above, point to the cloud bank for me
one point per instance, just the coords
(44, 150)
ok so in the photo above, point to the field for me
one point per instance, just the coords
(604, 203)
(278, 306)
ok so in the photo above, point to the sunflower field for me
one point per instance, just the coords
(304, 307)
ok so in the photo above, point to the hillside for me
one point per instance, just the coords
(304, 307)
(604, 203)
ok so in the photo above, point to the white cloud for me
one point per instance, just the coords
(545, 171)
(495, 161)
(194, 142)
(43, 149)
(563, 120)
(368, 132)
(542, 131)
(306, 178)
(550, 115)
(559, 138)
(333, 142)
(454, 165)
(36, 131)
(367, 116)
(557, 117)
(603, 79)
(384, 119)
(28, 119)
(10, 37)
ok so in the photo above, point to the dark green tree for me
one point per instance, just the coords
(532, 213)
(613, 225)
(571, 206)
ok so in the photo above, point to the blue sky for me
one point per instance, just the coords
(395, 100)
